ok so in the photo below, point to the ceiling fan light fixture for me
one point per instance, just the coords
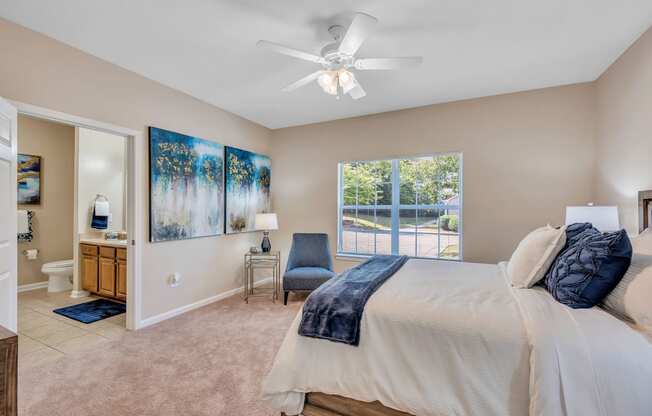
(328, 81)
(339, 57)
(346, 80)
(331, 89)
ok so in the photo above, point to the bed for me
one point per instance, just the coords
(448, 338)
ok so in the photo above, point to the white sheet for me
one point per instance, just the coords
(584, 361)
(444, 338)
(438, 338)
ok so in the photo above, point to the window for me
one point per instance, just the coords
(408, 206)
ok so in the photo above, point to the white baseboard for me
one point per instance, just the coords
(187, 308)
(79, 293)
(32, 286)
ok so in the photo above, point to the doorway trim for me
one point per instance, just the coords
(135, 192)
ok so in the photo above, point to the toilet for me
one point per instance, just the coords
(59, 275)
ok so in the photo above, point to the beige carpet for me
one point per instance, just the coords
(206, 362)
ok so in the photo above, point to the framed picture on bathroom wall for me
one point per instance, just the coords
(29, 179)
(186, 186)
(248, 178)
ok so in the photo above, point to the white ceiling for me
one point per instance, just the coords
(472, 48)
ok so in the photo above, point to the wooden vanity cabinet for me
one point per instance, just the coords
(89, 273)
(107, 277)
(89, 263)
(121, 283)
(104, 270)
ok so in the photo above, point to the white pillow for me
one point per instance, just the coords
(631, 298)
(534, 255)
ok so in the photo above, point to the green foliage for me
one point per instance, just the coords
(423, 180)
(449, 222)
(368, 183)
(453, 223)
(443, 221)
(429, 180)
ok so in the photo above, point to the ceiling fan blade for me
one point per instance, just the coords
(358, 31)
(357, 92)
(303, 81)
(388, 63)
(295, 53)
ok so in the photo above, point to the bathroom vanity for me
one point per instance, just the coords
(103, 267)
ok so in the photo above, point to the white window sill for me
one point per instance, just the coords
(363, 257)
(352, 257)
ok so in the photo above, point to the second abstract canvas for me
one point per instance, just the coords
(248, 179)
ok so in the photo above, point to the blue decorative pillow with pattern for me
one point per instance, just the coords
(589, 266)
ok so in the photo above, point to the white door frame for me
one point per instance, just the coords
(135, 192)
(8, 275)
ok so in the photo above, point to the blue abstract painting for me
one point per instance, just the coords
(186, 186)
(29, 179)
(248, 180)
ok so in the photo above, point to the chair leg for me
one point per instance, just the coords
(285, 297)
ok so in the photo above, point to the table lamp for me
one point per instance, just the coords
(604, 218)
(266, 223)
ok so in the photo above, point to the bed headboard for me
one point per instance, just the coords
(644, 210)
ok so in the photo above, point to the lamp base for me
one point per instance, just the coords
(266, 245)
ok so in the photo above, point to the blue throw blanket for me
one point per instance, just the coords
(334, 310)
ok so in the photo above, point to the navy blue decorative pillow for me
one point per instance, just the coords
(589, 266)
(575, 232)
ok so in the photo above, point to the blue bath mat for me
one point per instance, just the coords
(93, 311)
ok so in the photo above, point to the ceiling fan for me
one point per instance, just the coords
(338, 59)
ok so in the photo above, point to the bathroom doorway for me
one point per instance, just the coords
(88, 227)
(72, 238)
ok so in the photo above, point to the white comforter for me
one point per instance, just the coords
(445, 338)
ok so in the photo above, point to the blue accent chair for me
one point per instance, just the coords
(309, 264)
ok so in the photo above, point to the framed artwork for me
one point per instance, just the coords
(29, 179)
(248, 179)
(186, 195)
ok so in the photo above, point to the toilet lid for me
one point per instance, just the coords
(63, 264)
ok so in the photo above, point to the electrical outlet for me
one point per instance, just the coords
(174, 279)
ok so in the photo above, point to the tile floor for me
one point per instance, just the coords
(44, 336)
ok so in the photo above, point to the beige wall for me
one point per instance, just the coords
(624, 139)
(526, 156)
(102, 168)
(53, 217)
(41, 71)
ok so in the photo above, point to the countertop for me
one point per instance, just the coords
(103, 242)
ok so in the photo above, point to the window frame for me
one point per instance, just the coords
(396, 206)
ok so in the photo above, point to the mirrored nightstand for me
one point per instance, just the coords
(268, 261)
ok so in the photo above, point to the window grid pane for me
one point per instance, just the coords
(428, 209)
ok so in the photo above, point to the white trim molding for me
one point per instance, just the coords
(196, 305)
(32, 286)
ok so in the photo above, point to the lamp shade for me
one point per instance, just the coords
(266, 222)
(603, 218)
